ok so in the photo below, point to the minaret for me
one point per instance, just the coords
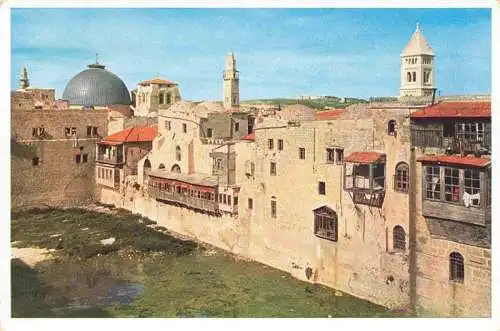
(417, 67)
(231, 83)
(24, 81)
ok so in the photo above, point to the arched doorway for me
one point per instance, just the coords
(147, 167)
(176, 168)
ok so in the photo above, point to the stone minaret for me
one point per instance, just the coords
(24, 81)
(417, 67)
(231, 83)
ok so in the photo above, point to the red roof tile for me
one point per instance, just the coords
(328, 114)
(456, 160)
(455, 109)
(158, 81)
(133, 134)
(364, 157)
(250, 136)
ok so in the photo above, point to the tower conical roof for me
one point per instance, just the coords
(418, 45)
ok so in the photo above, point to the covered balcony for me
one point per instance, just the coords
(456, 188)
(364, 177)
(110, 153)
(196, 191)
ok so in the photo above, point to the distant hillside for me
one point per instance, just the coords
(316, 103)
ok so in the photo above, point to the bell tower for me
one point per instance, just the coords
(24, 81)
(417, 67)
(231, 83)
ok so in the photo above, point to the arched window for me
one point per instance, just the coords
(176, 168)
(391, 128)
(398, 238)
(414, 76)
(402, 177)
(456, 267)
(146, 167)
(408, 76)
(326, 223)
(161, 166)
(178, 153)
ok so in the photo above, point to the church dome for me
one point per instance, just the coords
(96, 86)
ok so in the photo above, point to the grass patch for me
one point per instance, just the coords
(178, 279)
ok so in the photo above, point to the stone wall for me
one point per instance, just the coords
(57, 179)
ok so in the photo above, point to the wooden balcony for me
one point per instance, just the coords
(104, 158)
(183, 199)
(425, 137)
(455, 212)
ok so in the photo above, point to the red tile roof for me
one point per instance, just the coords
(364, 157)
(250, 136)
(456, 160)
(455, 109)
(328, 114)
(158, 81)
(133, 134)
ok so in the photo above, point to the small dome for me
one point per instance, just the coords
(96, 86)
(297, 113)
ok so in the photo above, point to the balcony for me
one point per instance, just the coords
(186, 200)
(426, 137)
(104, 158)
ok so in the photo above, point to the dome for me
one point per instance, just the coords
(298, 112)
(96, 86)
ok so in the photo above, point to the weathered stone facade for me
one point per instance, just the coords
(49, 164)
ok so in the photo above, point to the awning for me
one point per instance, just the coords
(455, 160)
(365, 157)
(194, 178)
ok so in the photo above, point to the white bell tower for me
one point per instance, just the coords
(417, 67)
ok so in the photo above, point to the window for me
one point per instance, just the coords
(401, 178)
(209, 133)
(414, 76)
(168, 125)
(224, 199)
(451, 185)
(178, 153)
(162, 99)
(302, 153)
(273, 169)
(35, 161)
(184, 127)
(235, 201)
(326, 223)
(94, 131)
(472, 187)
(270, 143)
(321, 188)
(448, 130)
(330, 155)
(470, 131)
(85, 158)
(161, 166)
(220, 197)
(408, 76)
(456, 267)
(236, 127)
(391, 128)
(218, 163)
(250, 203)
(273, 208)
(78, 158)
(427, 76)
(433, 187)
(169, 98)
(89, 131)
(36, 132)
(340, 155)
(398, 237)
(280, 144)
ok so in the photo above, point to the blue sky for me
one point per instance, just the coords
(279, 52)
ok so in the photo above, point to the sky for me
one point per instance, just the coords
(279, 52)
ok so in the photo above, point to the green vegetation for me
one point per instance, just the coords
(174, 277)
(316, 104)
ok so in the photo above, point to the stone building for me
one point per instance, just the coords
(53, 141)
(153, 95)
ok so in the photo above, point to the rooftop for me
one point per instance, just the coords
(456, 160)
(133, 134)
(418, 45)
(467, 109)
(365, 157)
(329, 114)
(157, 81)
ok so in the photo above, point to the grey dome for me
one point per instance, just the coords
(96, 86)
